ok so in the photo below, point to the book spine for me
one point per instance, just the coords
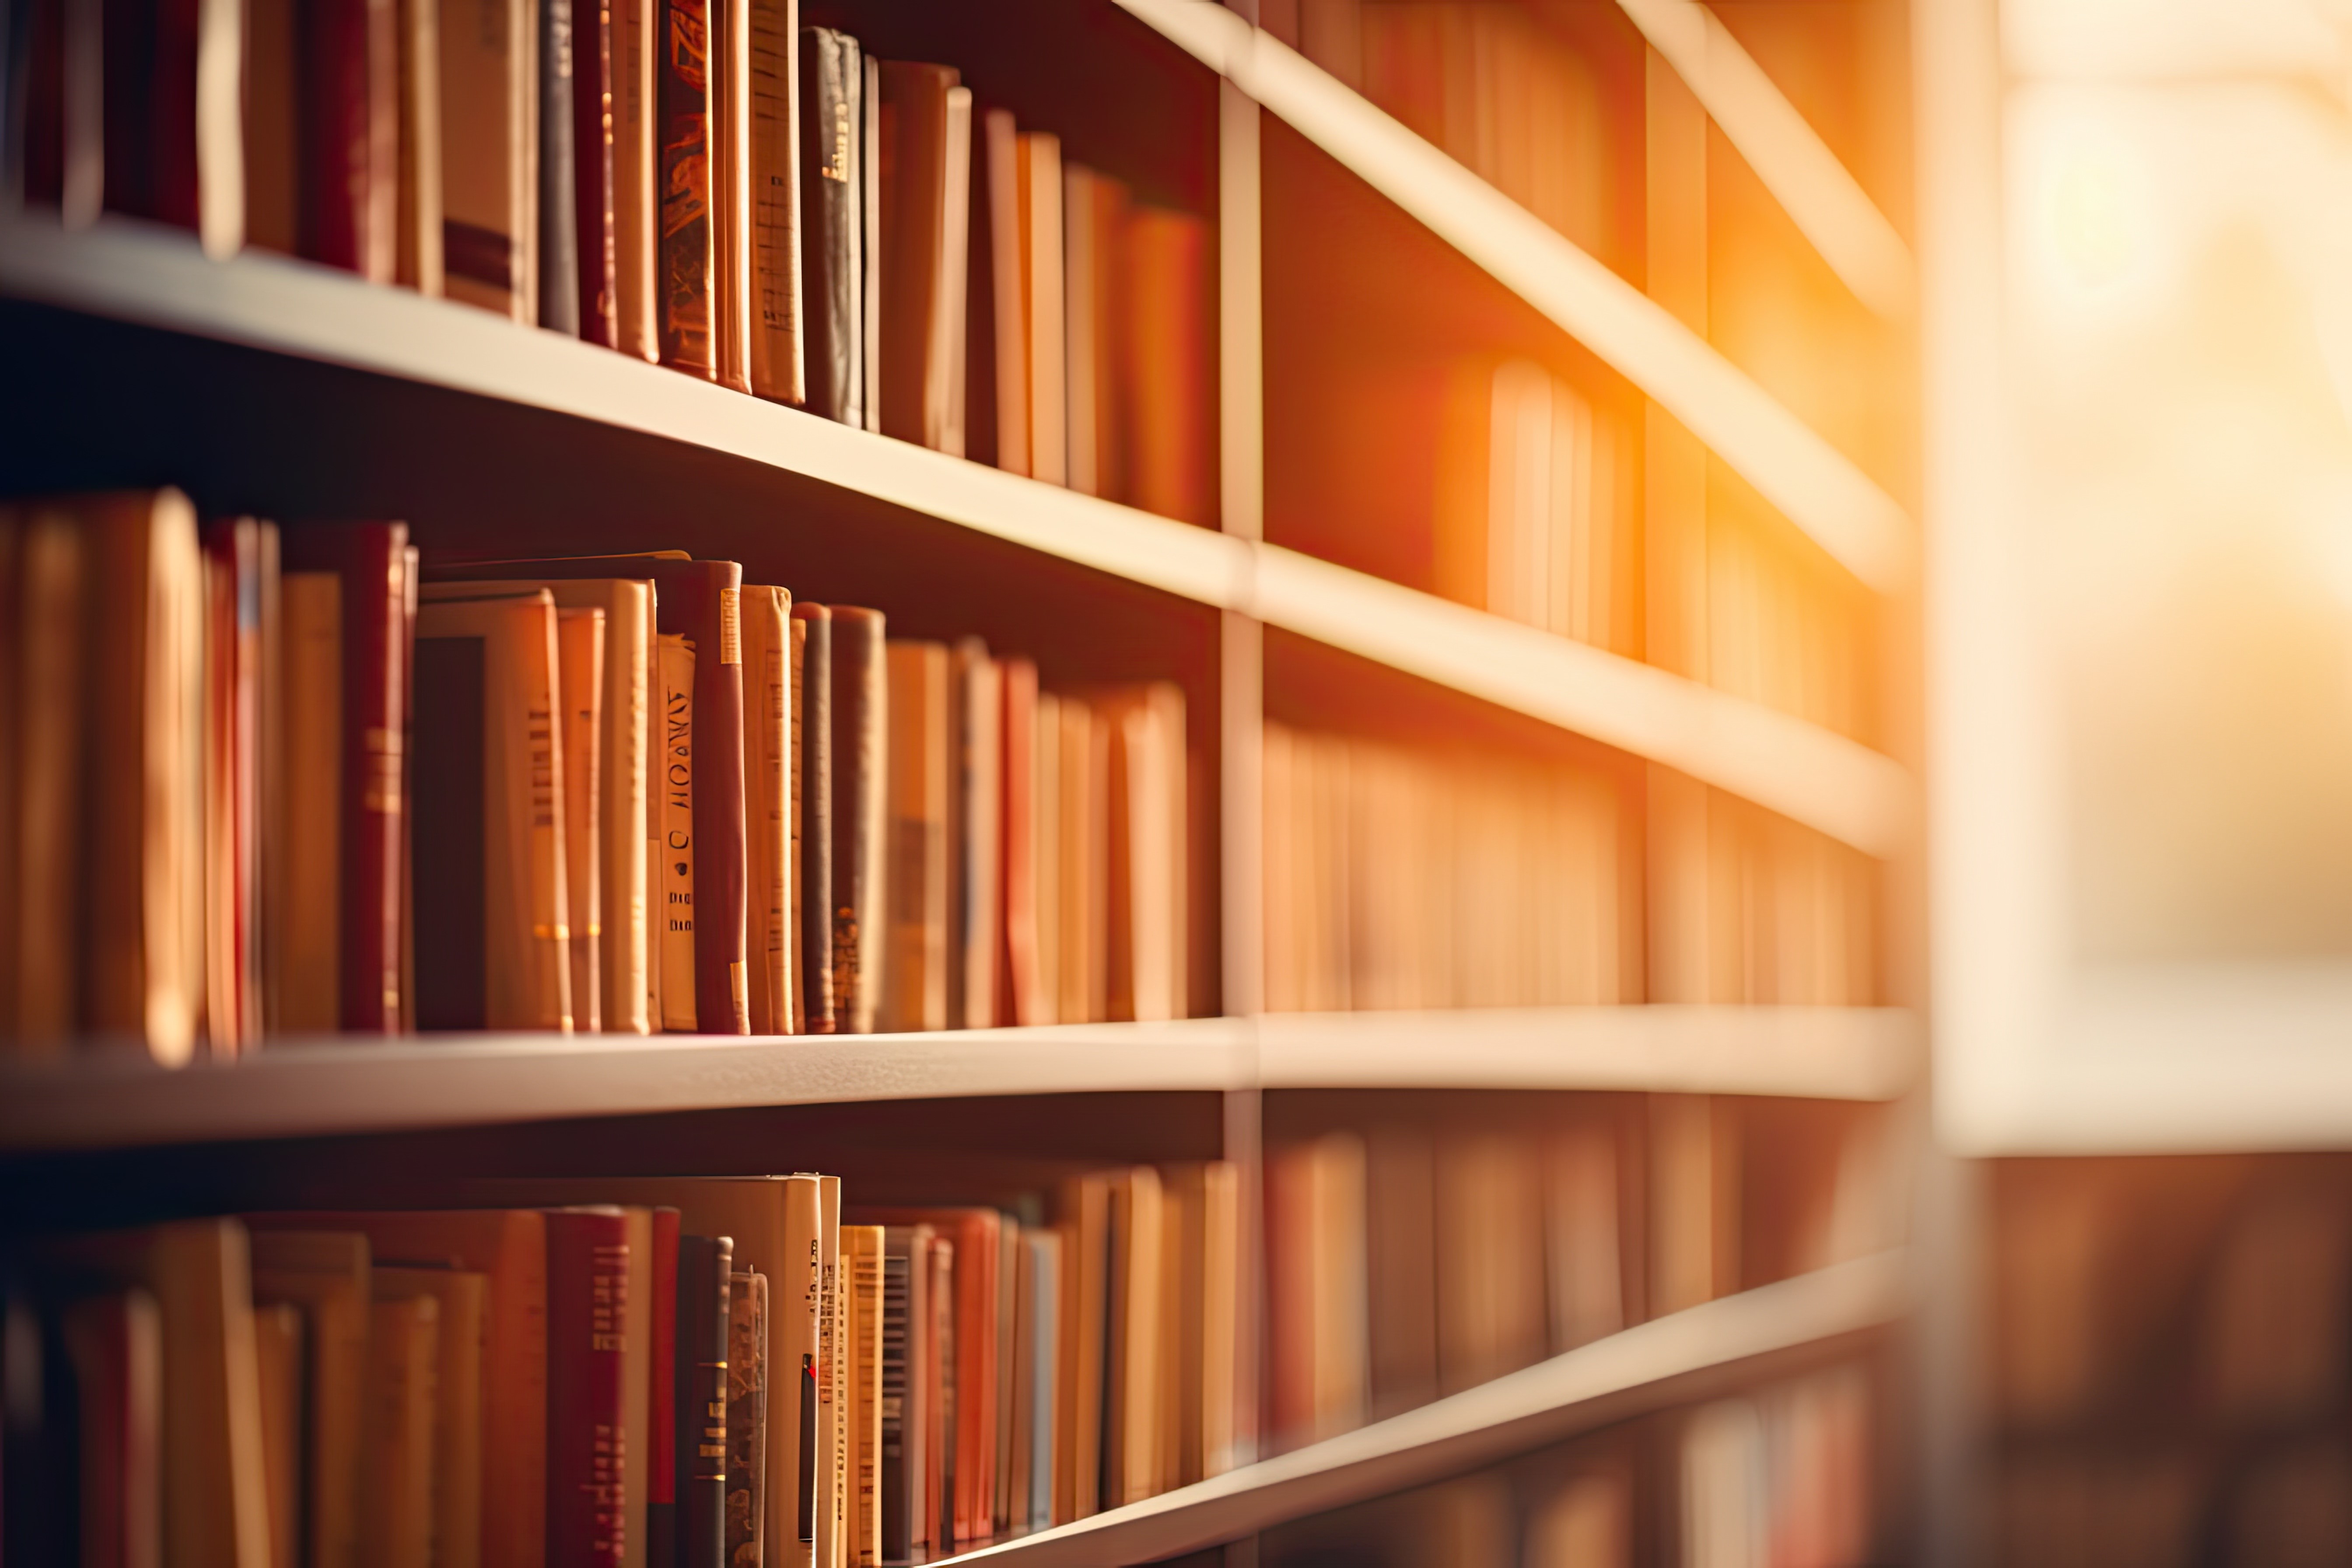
(559, 191)
(593, 57)
(684, 261)
(895, 1351)
(587, 1301)
(704, 1267)
(348, 85)
(722, 913)
(375, 659)
(861, 1247)
(860, 759)
(772, 212)
(816, 818)
(730, 232)
(767, 790)
(675, 843)
(661, 1468)
(830, 84)
(747, 1413)
(636, 196)
(795, 946)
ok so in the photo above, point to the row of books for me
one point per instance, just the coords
(698, 1372)
(1414, 1257)
(314, 781)
(1778, 1477)
(703, 184)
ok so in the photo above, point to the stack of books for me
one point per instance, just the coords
(702, 1372)
(312, 780)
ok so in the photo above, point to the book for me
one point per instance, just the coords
(861, 1249)
(417, 259)
(915, 972)
(1585, 1285)
(747, 1413)
(396, 1468)
(797, 659)
(1008, 1336)
(729, 65)
(796, 1433)
(270, 144)
(833, 228)
(587, 1315)
(1145, 961)
(1401, 1266)
(636, 34)
(114, 1342)
(326, 1274)
(371, 560)
(489, 807)
(869, 287)
(1587, 1520)
(233, 592)
(674, 843)
(1047, 826)
(1037, 1388)
(508, 1248)
(1200, 1283)
(1022, 996)
(1081, 863)
(832, 1463)
(1693, 1242)
(860, 719)
(1317, 1352)
(306, 881)
(594, 251)
(490, 200)
(637, 1385)
(685, 257)
(940, 1425)
(767, 806)
(278, 1371)
(975, 833)
(1094, 212)
(559, 175)
(580, 656)
(1039, 175)
(662, 1521)
(917, 308)
(1083, 1216)
(814, 818)
(1133, 1355)
(1490, 1257)
(905, 1299)
(704, 1306)
(1164, 358)
(953, 326)
(1008, 306)
(348, 91)
(45, 918)
(769, 188)
(462, 1302)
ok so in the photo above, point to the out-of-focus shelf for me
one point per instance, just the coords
(100, 1099)
(1823, 1053)
(1669, 1361)
(158, 277)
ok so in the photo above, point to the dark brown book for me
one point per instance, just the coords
(559, 187)
(696, 600)
(661, 1467)
(349, 85)
(861, 696)
(705, 1265)
(371, 558)
(747, 1415)
(587, 1304)
(593, 58)
(833, 225)
(815, 840)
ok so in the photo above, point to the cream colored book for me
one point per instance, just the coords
(637, 27)
(832, 1543)
(1144, 934)
(766, 620)
(673, 846)
(490, 156)
(771, 211)
(396, 1520)
(1000, 151)
(326, 1274)
(418, 262)
(580, 656)
(463, 1299)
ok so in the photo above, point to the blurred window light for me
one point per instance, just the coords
(2179, 38)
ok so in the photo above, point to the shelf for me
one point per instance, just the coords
(1824, 1053)
(158, 277)
(1815, 486)
(106, 1100)
(1686, 1356)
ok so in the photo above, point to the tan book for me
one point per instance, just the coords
(463, 1300)
(953, 320)
(1694, 1202)
(1316, 1307)
(1491, 1315)
(326, 1274)
(1083, 863)
(637, 1385)
(49, 624)
(1132, 1418)
(1023, 995)
(975, 833)
(768, 720)
(417, 225)
(1045, 816)
(1085, 1222)
(1094, 216)
(1582, 1258)
(490, 89)
(732, 303)
(309, 885)
(796, 948)
(277, 1370)
(999, 154)
(1401, 1265)
(1040, 186)
(832, 1541)
(795, 1299)
(918, 361)
(1008, 1307)
(870, 257)
(914, 979)
(771, 200)
(636, 41)
(861, 1249)
(396, 1520)
(1587, 1524)
(580, 655)
(493, 947)
(672, 846)
(1144, 957)
(1199, 1281)
(143, 972)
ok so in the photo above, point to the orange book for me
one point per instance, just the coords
(915, 972)
(1165, 358)
(1021, 997)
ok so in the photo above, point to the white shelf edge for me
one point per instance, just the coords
(157, 276)
(1657, 1363)
(105, 1098)
(1825, 1053)
(1814, 484)
(1807, 773)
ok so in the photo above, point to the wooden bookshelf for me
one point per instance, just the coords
(1668, 1360)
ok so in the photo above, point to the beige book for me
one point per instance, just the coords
(796, 1300)
(976, 836)
(637, 27)
(278, 1372)
(49, 622)
(732, 305)
(580, 655)
(1000, 150)
(768, 718)
(915, 981)
(1200, 1285)
(832, 1543)
(797, 965)
(1084, 864)
(1693, 1201)
(771, 183)
(489, 138)
(526, 974)
(1131, 1398)
(1490, 1258)
(326, 1274)
(418, 255)
(1040, 164)
(396, 1520)
(142, 972)
(308, 882)
(861, 1249)
(673, 845)
(216, 1504)
(1581, 1254)
(463, 1300)
(951, 322)
(1046, 858)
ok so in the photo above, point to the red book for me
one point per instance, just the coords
(351, 134)
(149, 110)
(591, 170)
(587, 1305)
(372, 561)
(661, 1464)
(684, 263)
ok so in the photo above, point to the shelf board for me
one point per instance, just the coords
(1814, 484)
(158, 277)
(1688, 1355)
(1823, 1053)
(104, 1098)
